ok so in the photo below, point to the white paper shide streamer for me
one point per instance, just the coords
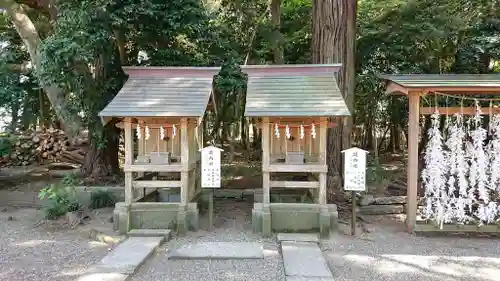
(313, 131)
(138, 131)
(287, 132)
(162, 133)
(146, 133)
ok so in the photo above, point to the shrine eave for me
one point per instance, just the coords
(465, 84)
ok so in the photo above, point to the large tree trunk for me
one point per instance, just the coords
(334, 31)
(278, 43)
(102, 161)
(71, 123)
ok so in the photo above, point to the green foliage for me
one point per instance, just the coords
(80, 51)
(102, 199)
(70, 179)
(376, 173)
(61, 199)
(5, 145)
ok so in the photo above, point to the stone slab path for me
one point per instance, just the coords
(218, 250)
(104, 277)
(304, 261)
(298, 237)
(124, 260)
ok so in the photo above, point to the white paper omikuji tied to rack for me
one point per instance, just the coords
(433, 175)
(457, 180)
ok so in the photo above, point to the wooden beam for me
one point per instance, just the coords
(487, 228)
(266, 151)
(129, 156)
(154, 206)
(157, 125)
(152, 168)
(295, 184)
(185, 151)
(412, 168)
(156, 184)
(454, 110)
(323, 136)
(304, 168)
(393, 88)
(464, 91)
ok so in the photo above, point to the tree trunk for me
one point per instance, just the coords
(276, 22)
(334, 33)
(14, 114)
(26, 116)
(102, 161)
(71, 123)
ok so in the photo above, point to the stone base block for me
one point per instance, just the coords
(156, 215)
(294, 217)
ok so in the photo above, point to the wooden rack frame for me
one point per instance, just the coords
(414, 93)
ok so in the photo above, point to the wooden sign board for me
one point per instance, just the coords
(355, 169)
(210, 167)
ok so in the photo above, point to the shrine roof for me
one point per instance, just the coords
(293, 90)
(464, 83)
(162, 92)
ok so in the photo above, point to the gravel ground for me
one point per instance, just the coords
(39, 254)
(387, 253)
(232, 227)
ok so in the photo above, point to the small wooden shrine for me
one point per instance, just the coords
(460, 187)
(161, 110)
(295, 104)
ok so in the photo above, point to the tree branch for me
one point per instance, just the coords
(47, 6)
(71, 123)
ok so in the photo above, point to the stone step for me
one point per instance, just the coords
(166, 233)
(298, 237)
(302, 278)
(104, 277)
(128, 256)
(304, 261)
(218, 250)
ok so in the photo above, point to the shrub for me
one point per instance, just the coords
(61, 199)
(5, 145)
(101, 199)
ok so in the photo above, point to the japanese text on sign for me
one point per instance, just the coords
(210, 167)
(354, 169)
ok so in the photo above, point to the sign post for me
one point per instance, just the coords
(354, 177)
(210, 176)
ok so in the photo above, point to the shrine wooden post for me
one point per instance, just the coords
(412, 169)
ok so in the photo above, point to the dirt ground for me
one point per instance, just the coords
(46, 252)
(383, 251)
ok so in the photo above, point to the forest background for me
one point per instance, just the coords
(60, 61)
